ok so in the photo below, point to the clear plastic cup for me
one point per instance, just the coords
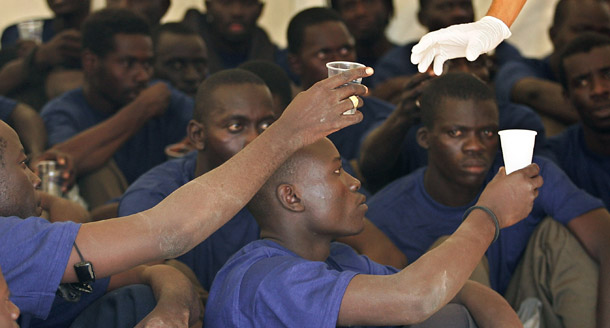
(338, 67)
(517, 148)
(30, 30)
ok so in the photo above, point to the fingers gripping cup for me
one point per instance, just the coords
(338, 67)
(517, 148)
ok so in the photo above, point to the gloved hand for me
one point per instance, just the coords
(462, 40)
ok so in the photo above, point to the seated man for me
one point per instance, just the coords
(117, 126)
(391, 151)
(231, 33)
(534, 82)
(583, 150)
(37, 255)
(317, 36)
(460, 124)
(181, 57)
(233, 107)
(393, 68)
(295, 276)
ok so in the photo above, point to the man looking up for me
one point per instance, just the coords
(460, 124)
(117, 126)
(583, 150)
(308, 202)
(177, 224)
(181, 57)
(230, 31)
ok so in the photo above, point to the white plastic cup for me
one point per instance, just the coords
(517, 148)
(30, 30)
(338, 67)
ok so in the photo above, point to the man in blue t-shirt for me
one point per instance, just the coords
(295, 276)
(534, 82)
(583, 151)
(117, 126)
(460, 124)
(391, 151)
(317, 36)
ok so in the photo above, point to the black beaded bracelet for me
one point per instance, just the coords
(493, 216)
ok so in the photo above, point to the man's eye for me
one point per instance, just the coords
(338, 171)
(235, 127)
(176, 65)
(489, 133)
(454, 133)
(580, 83)
(322, 54)
(263, 126)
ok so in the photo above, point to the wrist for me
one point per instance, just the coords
(490, 214)
(498, 26)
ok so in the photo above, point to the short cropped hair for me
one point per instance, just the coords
(100, 27)
(583, 43)
(173, 28)
(388, 3)
(274, 76)
(204, 101)
(304, 19)
(461, 86)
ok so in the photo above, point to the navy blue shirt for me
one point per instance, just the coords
(7, 106)
(514, 71)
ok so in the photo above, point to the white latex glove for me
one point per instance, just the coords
(462, 40)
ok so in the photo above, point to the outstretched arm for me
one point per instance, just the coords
(194, 211)
(422, 288)
(506, 10)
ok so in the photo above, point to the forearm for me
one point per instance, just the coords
(61, 209)
(380, 151)
(421, 289)
(12, 75)
(91, 148)
(488, 308)
(506, 10)
(545, 97)
(30, 128)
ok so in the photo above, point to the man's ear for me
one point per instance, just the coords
(295, 64)
(196, 134)
(288, 197)
(422, 137)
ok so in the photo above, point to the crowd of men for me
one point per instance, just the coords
(210, 178)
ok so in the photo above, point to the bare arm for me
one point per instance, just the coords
(593, 231)
(30, 128)
(177, 303)
(487, 307)
(93, 147)
(194, 211)
(380, 150)
(506, 10)
(373, 243)
(545, 97)
(428, 284)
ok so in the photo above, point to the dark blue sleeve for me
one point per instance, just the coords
(397, 62)
(6, 108)
(61, 118)
(506, 52)
(510, 74)
(33, 257)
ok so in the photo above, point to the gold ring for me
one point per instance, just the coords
(355, 101)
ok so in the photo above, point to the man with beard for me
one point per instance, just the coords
(583, 150)
(118, 124)
(229, 30)
(536, 257)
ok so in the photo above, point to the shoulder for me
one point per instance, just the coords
(7, 106)
(70, 102)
